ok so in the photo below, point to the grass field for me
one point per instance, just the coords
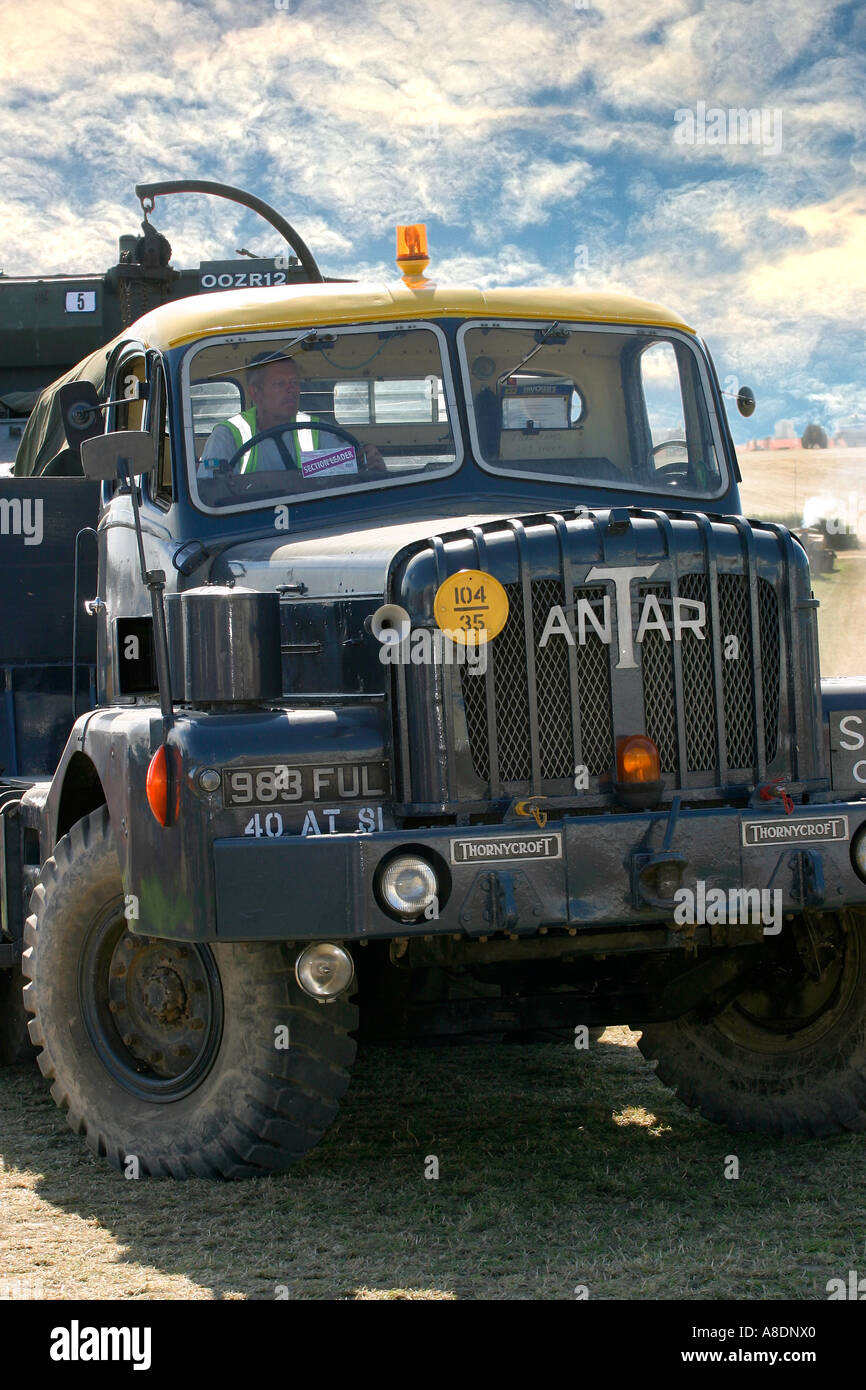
(557, 1169)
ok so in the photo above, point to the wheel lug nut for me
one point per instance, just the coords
(129, 1040)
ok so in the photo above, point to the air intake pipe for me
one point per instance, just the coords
(224, 645)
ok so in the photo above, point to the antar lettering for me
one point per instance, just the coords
(688, 614)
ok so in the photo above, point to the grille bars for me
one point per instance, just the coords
(667, 530)
(489, 678)
(519, 531)
(565, 566)
(725, 695)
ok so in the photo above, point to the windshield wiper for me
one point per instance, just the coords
(541, 341)
(286, 355)
(279, 355)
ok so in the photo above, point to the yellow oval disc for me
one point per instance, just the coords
(471, 602)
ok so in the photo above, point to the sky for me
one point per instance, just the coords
(582, 143)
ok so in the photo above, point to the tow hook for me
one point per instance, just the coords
(777, 790)
(532, 808)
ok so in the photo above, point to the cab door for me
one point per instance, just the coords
(138, 387)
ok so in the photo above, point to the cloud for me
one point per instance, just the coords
(518, 129)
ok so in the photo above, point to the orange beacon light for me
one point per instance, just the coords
(412, 257)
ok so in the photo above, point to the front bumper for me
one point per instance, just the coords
(585, 874)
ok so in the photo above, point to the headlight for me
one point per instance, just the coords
(323, 971)
(408, 886)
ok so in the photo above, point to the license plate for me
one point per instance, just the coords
(278, 784)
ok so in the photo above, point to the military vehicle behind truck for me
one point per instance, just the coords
(462, 699)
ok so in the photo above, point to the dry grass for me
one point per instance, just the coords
(777, 483)
(557, 1168)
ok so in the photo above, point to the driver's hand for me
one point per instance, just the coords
(372, 458)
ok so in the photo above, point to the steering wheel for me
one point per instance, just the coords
(677, 471)
(276, 431)
(670, 444)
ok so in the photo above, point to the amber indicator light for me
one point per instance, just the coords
(637, 759)
(163, 786)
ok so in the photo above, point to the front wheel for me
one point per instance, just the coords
(173, 1059)
(788, 1055)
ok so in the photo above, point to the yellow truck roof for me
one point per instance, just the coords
(299, 306)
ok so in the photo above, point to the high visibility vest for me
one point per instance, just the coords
(243, 427)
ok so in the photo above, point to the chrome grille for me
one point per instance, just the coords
(657, 666)
(507, 655)
(702, 751)
(771, 672)
(737, 673)
(593, 677)
(556, 744)
(559, 752)
(512, 692)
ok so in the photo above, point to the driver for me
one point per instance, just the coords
(275, 391)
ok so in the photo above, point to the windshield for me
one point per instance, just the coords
(290, 416)
(617, 407)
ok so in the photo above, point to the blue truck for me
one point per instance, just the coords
(394, 659)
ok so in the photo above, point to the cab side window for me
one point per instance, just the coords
(145, 413)
(129, 415)
(663, 400)
(161, 487)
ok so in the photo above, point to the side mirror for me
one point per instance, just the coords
(746, 401)
(102, 455)
(80, 411)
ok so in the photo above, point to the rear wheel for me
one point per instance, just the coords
(788, 1055)
(191, 1060)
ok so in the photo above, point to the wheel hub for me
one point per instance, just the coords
(805, 989)
(165, 996)
(152, 1007)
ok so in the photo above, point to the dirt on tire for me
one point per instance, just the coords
(260, 1106)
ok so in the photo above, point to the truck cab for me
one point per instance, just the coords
(430, 664)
